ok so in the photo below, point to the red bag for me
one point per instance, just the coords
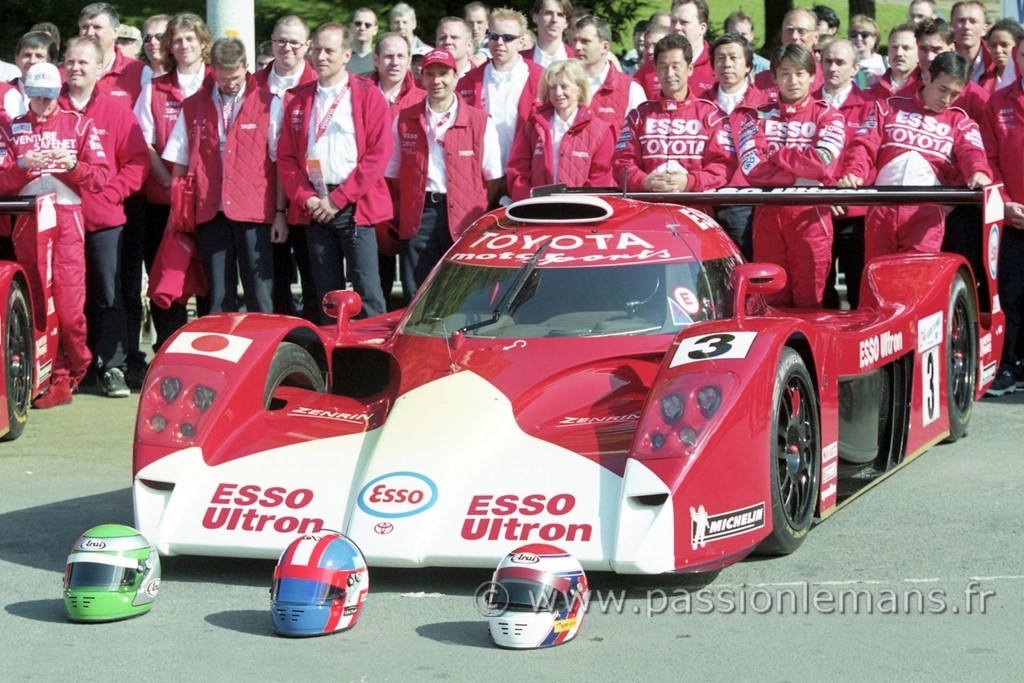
(183, 190)
(183, 203)
(177, 271)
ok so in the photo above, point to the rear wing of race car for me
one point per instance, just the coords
(982, 255)
(980, 249)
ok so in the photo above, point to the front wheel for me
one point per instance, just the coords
(292, 366)
(961, 358)
(795, 456)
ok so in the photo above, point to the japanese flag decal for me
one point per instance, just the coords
(227, 347)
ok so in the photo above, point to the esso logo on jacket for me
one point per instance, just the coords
(397, 494)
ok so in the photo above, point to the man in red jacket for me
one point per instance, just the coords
(121, 77)
(227, 136)
(104, 212)
(49, 149)
(552, 18)
(290, 43)
(506, 86)
(335, 144)
(614, 93)
(440, 141)
(799, 26)
(690, 20)
(677, 143)
(902, 64)
(922, 140)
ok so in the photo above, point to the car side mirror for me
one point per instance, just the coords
(342, 304)
(755, 278)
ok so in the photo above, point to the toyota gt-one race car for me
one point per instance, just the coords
(595, 372)
(28, 342)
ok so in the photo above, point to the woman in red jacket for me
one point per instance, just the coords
(562, 143)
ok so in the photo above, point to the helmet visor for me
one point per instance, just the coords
(530, 590)
(308, 585)
(102, 572)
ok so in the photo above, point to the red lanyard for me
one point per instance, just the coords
(321, 124)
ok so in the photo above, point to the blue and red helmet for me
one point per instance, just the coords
(320, 585)
(538, 598)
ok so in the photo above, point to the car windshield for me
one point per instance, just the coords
(511, 303)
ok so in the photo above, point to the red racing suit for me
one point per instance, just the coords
(71, 131)
(903, 143)
(693, 133)
(789, 144)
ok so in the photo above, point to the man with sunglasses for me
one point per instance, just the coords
(364, 30)
(506, 85)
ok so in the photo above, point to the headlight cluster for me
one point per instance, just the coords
(175, 406)
(686, 406)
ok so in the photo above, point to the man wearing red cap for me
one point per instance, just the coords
(441, 141)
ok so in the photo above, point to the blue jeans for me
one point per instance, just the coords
(342, 246)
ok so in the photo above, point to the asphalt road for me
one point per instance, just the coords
(943, 536)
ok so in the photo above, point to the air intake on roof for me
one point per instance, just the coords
(560, 209)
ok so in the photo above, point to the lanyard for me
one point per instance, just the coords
(322, 123)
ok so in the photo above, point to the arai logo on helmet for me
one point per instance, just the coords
(92, 544)
(524, 558)
(397, 494)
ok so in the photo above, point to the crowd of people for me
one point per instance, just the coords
(348, 155)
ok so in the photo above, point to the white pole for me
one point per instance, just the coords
(235, 19)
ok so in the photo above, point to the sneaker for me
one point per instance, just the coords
(58, 393)
(113, 384)
(135, 377)
(1006, 383)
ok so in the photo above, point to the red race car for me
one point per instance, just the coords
(29, 339)
(598, 372)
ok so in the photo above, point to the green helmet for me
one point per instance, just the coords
(112, 573)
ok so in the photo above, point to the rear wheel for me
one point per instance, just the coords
(962, 358)
(292, 366)
(18, 360)
(795, 457)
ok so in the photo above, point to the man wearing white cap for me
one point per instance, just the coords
(49, 149)
(441, 140)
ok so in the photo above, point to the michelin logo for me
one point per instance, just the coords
(706, 528)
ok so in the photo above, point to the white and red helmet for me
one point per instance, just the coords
(320, 585)
(538, 598)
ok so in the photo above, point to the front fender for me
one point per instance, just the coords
(702, 450)
(207, 383)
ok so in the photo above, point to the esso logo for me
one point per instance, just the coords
(398, 494)
(93, 544)
(525, 558)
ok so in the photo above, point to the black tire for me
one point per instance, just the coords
(795, 466)
(962, 356)
(292, 366)
(19, 360)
